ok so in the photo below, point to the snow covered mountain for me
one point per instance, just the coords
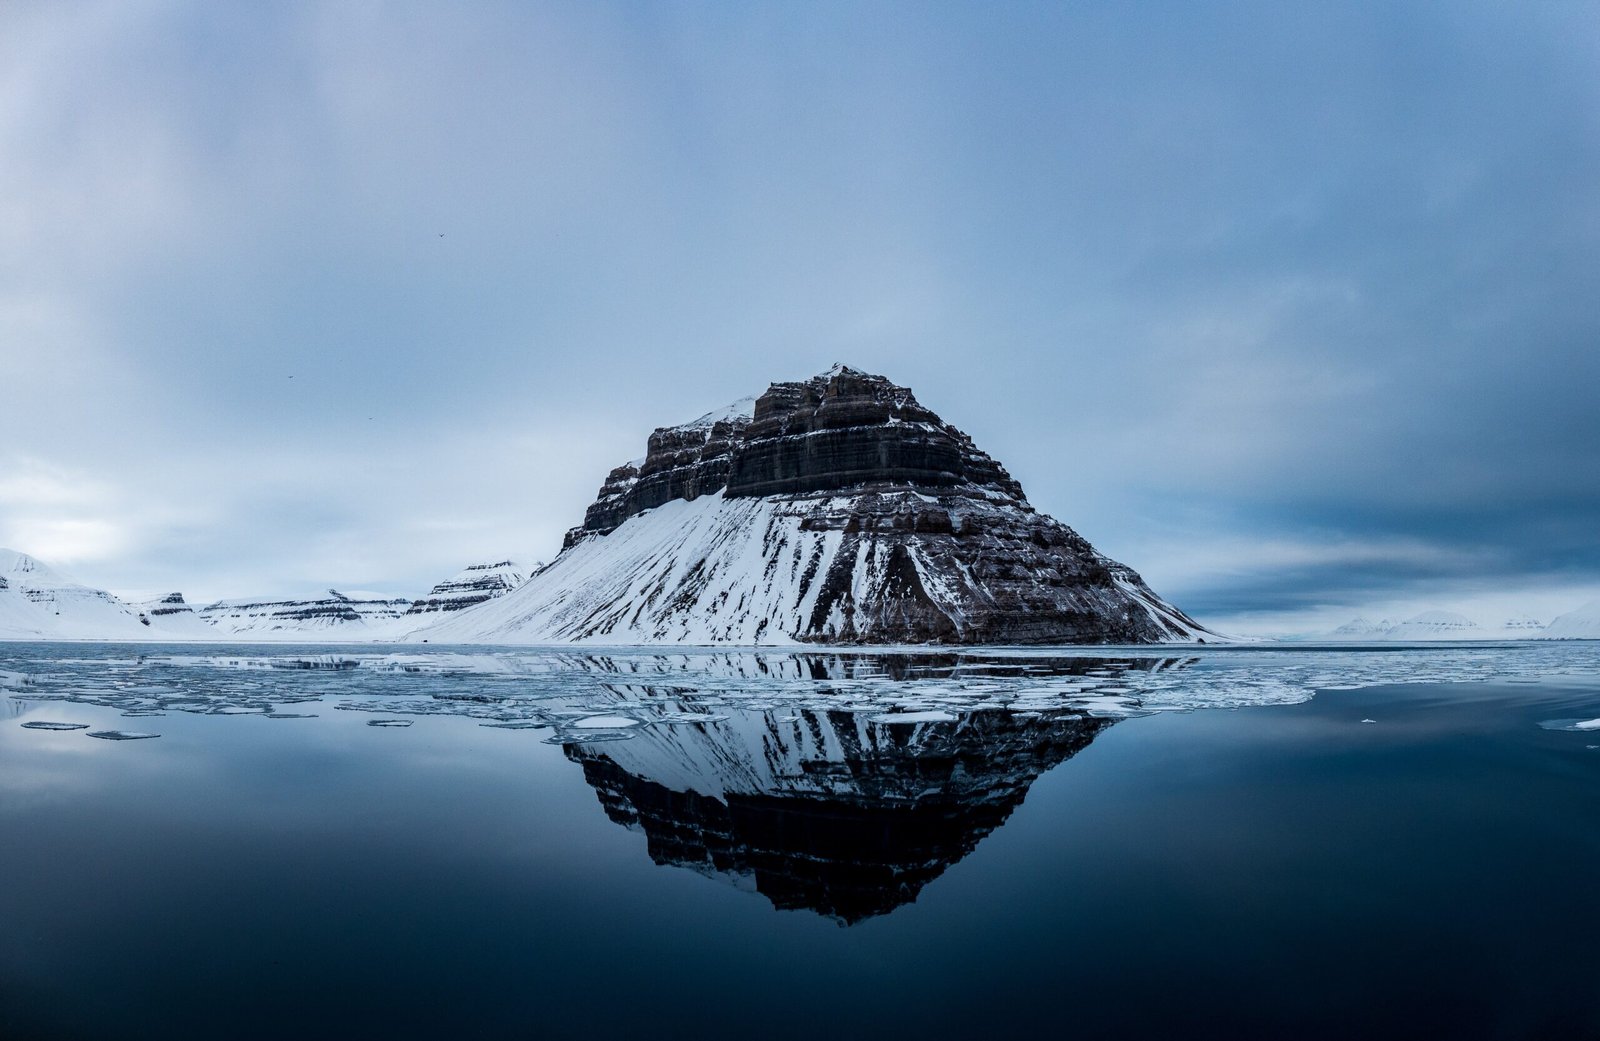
(38, 602)
(473, 585)
(1362, 629)
(834, 510)
(1582, 624)
(333, 616)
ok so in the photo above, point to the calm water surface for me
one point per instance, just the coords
(636, 844)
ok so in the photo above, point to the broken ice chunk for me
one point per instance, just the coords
(389, 722)
(45, 725)
(930, 716)
(602, 723)
(120, 735)
(1581, 725)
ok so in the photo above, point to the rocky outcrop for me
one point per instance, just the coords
(834, 510)
(682, 462)
(170, 606)
(475, 584)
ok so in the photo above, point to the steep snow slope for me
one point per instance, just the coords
(1582, 624)
(833, 510)
(762, 801)
(747, 571)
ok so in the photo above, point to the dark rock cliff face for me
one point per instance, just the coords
(851, 835)
(936, 541)
(841, 430)
(847, 429)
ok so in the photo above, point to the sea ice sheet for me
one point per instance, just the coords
(592, 696)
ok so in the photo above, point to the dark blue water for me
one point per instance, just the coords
(769, 866)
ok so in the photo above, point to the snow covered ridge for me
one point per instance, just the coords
(832, 510)
(473, 585)
(37, 602)
(351, 614)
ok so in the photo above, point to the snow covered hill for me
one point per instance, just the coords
(834, 510)
(38, 602)
(1582, 624)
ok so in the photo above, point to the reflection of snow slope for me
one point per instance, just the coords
(827, 811)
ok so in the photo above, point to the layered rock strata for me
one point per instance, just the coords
(476, 584)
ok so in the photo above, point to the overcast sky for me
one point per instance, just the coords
(1295, 308)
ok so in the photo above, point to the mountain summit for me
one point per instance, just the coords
(832, 510)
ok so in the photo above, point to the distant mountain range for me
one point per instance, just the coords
(1582, 624)
(38, 602)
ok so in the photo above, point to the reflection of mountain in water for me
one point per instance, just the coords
(828, 811)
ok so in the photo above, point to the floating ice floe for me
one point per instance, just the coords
(1580, 725)
(597, 692)
(389, 722)
(589, 737)
(121, 735)
(929, 716)
(603, 723)
(41, 724)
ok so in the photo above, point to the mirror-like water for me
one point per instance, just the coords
(253, 842)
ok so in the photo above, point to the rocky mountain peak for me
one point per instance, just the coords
(836, 509)
(841, 429)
